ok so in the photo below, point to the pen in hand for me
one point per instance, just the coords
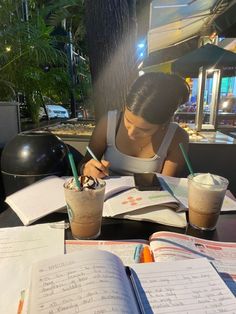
(91, 153)
(95, 158)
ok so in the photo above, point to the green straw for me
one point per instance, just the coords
(186, 159)
(74, 171)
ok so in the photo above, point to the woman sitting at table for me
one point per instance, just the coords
(141, 138)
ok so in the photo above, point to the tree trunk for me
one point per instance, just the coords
(111, 34)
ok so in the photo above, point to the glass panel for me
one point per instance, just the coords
(186, 113)
(227, 103)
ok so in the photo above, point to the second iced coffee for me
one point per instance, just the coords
(205, 197)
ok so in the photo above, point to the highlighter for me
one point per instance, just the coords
(137, 253)
(147, 256)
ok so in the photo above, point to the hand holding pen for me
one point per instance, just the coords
(96, 168)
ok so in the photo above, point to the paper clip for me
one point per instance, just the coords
(60, 225)
(137, 253)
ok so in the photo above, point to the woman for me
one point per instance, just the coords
(142, 137)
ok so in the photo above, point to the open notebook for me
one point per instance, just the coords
(170, 246)
(95, 281)
(38, 199)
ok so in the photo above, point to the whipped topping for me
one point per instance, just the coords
(86, 183)
(208, 179)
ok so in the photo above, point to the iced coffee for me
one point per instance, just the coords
(205, 197)
(85, 206)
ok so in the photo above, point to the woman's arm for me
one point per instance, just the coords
(175, 162)
(97, 144)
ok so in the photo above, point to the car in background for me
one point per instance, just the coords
(53, 111)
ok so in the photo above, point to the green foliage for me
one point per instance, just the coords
(30, 59)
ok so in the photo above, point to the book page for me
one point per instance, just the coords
(161, 215)
(19, 248)
(189, 286)
(38, 199)
(91, 281)
(124, 249)
(115, 185)
(167, 246)
(133, 199)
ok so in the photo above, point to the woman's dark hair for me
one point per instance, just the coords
(155, 96)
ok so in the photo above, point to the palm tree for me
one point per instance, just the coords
(111, 32)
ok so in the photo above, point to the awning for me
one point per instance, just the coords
(171, 53)
(174, 21)
(210, 56)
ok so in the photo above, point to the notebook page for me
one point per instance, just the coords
(124, 249)
(168, 246)
(131, 200)
(188, 286)
(92, 281)
(19, 248)
(38, 199)
(115, 185)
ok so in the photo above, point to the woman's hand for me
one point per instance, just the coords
(97, 169)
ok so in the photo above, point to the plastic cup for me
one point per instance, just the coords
(85, 211)
(205, 202)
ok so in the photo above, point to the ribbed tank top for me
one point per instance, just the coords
(126, 165)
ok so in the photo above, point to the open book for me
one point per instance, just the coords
(155, 206)
(171, 246)
(95, 281)
(47, 196)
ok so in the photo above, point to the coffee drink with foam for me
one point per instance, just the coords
(85, 206)
(205, 197)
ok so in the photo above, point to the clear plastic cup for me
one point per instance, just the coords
(85, 211)
(205, 201)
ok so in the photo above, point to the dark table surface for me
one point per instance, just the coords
(114, 229)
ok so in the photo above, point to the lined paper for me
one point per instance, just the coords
(19, 248)
(91, 281)
(169, 246)
(188, 286)
(124, 249)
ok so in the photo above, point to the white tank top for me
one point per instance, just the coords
(127, 165)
